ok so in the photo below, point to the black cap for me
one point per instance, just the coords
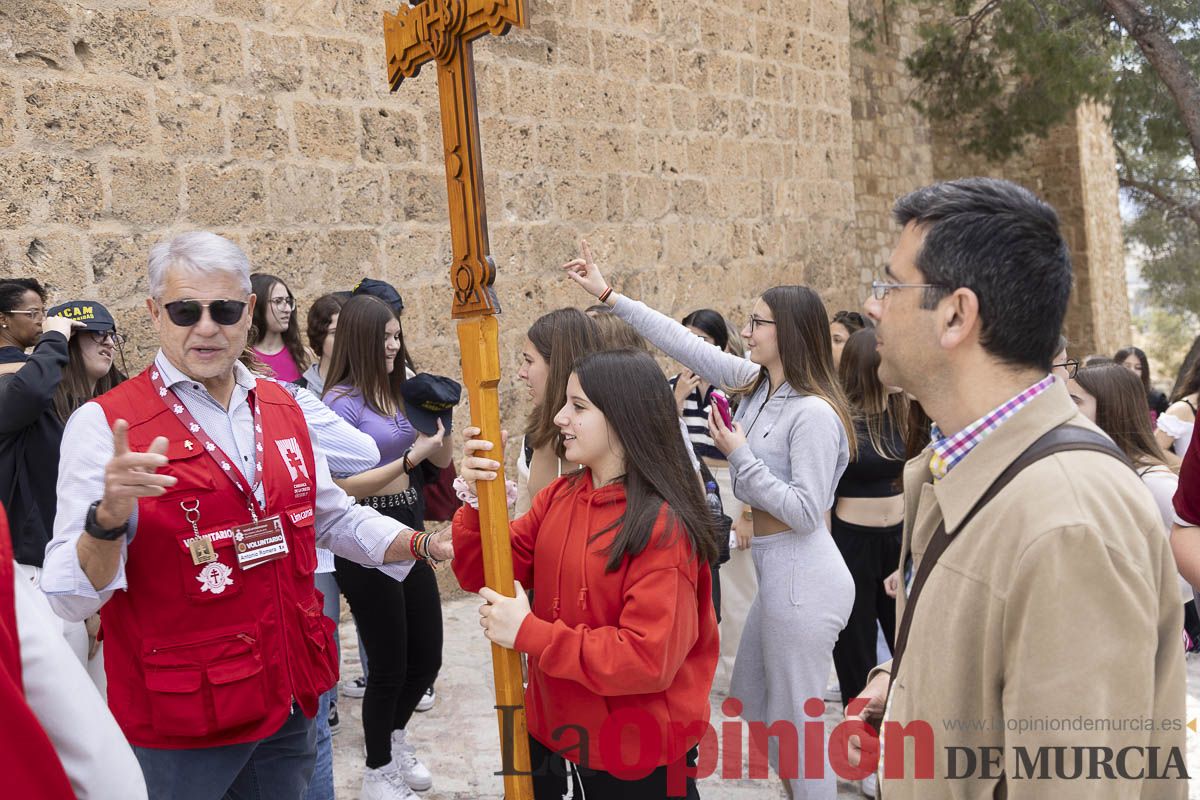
(383, 290)
(428, 398)
(94, 316)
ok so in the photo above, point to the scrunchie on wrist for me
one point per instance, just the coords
(463, 490)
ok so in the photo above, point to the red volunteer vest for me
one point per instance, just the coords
(28, 762)
(208, 655)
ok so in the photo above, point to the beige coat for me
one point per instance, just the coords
(1054, 611)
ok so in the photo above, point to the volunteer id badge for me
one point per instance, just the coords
(259, 542)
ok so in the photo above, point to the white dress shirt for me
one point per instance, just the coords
(354, 532)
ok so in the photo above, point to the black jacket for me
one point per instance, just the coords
(30, 436)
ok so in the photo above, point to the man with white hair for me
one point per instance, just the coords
(190, 503)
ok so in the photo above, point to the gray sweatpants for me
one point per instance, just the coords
(805, 594)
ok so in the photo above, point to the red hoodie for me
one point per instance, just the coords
(641, 640)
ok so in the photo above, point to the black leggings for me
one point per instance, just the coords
(871, 554)
(401, 627)
(550, 776)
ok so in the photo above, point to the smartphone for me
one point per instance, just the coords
(722, 405)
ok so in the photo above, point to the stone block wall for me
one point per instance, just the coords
(705, 148)
(1073, 169)
(892, 154)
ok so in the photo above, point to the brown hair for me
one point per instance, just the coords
(320, 317)
(358, 355)
(617, 334)
(870, 401)
(627, 387)
(262, 285)
(561, 337)
(806, 349)
(1121, 411)
(76, 388)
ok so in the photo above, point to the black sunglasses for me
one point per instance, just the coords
(186, 313)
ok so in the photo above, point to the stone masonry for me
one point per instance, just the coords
(703, 147)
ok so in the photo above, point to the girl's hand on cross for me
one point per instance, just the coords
(501, 617)
(475, 467)
(584, 271)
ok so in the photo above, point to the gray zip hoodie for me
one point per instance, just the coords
(796, 447)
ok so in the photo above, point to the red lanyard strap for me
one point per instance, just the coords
(172, 401)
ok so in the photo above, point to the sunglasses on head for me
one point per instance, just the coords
(186, 313)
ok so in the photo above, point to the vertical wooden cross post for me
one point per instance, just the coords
(443, 31)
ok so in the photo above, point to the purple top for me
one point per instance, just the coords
(392, 435)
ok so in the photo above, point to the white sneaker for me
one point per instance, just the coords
(426, 701)
(385, 783)
(869, 785)
(355, 688)
(415, 774)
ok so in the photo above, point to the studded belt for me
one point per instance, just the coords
(405, 499)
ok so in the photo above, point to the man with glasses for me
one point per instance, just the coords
(1047, 597)
(190, 502)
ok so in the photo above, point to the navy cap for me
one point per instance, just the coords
(94, 316)
(428, 398)
(384, 291)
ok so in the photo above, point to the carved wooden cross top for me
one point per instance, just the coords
(442, 31)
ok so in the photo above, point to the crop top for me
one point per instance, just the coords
(393, 435)
(871, 474)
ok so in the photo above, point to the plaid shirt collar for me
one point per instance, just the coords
(949, 451)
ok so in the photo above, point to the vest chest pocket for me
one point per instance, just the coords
(190, 465)
(219, 579)
(303, 537)
(203, 686)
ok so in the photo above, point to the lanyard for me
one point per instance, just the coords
(172, 401)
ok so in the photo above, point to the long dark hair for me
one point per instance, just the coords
(561, 338)
(802, 336)
(358, 354)
(1121, 411)
(76, 388)
(712, 323)
(1126, 352)
(627, 387)
(261, 285)
(870, 401)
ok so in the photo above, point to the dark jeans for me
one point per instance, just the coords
(871, 554)
(275, 768)
(550, 773)
(401, 625)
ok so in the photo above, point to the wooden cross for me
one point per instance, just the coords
(443, 31)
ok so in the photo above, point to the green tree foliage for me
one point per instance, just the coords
(1004, 71)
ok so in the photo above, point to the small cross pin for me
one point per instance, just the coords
(188, 444)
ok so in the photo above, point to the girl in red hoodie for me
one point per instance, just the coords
(622, 639)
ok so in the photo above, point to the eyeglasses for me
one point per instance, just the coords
(880, 289)
(754, 322)
(100, 337)
(34, 314)
(1071, 365)
(284, 303)
(186, 313)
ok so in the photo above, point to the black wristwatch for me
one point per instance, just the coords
(106, 534)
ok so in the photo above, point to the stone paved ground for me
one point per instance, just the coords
(458, 739)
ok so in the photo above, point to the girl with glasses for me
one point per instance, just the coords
(791, 440)
(275, 335)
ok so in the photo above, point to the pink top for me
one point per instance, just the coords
(281, 364)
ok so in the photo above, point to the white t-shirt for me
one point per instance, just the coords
(1162, 484)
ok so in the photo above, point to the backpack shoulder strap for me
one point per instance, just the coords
(1056, 440)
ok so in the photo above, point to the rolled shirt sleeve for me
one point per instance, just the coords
(86, 450)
